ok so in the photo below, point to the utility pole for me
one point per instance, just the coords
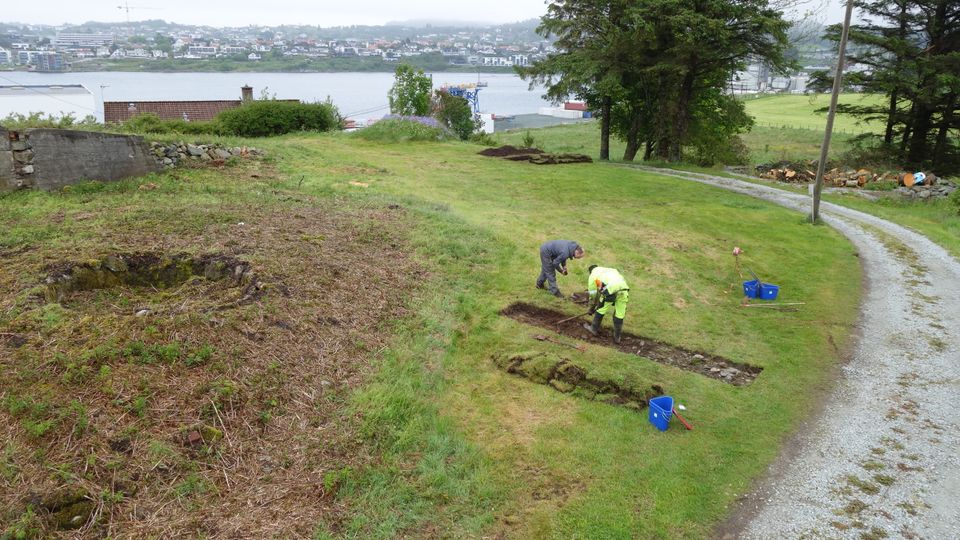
(824, 149)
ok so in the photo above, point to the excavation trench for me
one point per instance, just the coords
(567, 377)
(705, 364)
(158, 271)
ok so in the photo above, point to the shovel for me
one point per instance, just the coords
(558, 323)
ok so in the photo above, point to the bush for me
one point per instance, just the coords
(266, 118)
(954, 200)
(17, 121)
(729, 151)
(151, 123)
(455, 113)
(392, 130)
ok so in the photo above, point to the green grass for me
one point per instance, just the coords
(483, 444)
(766, 144)
(466, 450)
(799, 111)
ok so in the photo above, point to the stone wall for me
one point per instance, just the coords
(53, 158)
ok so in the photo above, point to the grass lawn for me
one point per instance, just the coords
(766, 144)
(455, 447)
(799, 112)
(547, 464)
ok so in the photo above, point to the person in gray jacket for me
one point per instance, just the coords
(553, 259)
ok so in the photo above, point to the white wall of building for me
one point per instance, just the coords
(48, 100)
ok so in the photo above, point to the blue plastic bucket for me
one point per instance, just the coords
(660, 410)
(768, 291)
(763, 291)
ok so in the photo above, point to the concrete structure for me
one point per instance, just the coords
(6, 57)
(55, 100)
(53, 158)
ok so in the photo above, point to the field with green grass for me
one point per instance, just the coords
(420, 433)
(800, 112)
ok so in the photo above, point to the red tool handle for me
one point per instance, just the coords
(682, 421)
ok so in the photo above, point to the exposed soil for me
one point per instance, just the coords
(552, 159)
(161, 414)
(706, 364)
(564, 376)
(158, 271)
(508, 150)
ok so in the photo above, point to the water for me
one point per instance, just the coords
(357, 95)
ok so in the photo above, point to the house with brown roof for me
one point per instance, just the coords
(116, 112)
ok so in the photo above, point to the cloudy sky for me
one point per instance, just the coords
(276, 12)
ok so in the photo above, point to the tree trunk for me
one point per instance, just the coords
(648, 151)
(895, 93)
(922, 123)
(605, 107)
(633, 135)
(940, 148)
(682, 117)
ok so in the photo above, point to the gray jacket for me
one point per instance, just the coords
(557, 252)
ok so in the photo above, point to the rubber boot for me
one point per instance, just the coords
(595, 327)
(617, 330)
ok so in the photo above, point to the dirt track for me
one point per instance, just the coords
(879, 458)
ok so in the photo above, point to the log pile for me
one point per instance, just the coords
(805, 173)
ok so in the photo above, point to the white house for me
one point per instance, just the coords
(56, 100)
(5, 56)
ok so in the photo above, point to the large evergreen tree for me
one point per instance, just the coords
(651, 67)
(911, 51)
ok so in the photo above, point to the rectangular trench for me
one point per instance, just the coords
(702, 363)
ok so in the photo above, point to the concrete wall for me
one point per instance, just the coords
(53, 158)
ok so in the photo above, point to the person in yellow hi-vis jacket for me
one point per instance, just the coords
(607, 289)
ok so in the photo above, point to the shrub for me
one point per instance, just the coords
(954, 200)
(528, 140)
(392, 130)
(266, 118)
(17, 121)
(151, 123)
(455, 113)
(410, 93)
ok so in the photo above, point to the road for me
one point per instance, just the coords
(880, 458)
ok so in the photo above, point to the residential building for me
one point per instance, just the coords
(68, 40)
(55, 100)
(6, 57)
(50, 61)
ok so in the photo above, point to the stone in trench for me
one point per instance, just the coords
(26, 169)
(19, 146)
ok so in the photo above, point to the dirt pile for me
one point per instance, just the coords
(705, 364)
(534, 155)
(567, 377)
(508, 150)
(165, 407)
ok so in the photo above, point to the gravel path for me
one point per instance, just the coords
(881, 459)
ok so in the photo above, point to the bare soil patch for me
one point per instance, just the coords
(146, 392)
(705, 364)
(508, 150)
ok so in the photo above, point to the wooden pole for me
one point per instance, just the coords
(824, 149)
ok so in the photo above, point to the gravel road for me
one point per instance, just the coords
(881, 458)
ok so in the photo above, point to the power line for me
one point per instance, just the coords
(27, 87)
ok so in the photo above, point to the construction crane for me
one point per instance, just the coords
(127, 7)
(468, 91)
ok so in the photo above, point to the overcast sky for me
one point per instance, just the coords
(277, 12)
